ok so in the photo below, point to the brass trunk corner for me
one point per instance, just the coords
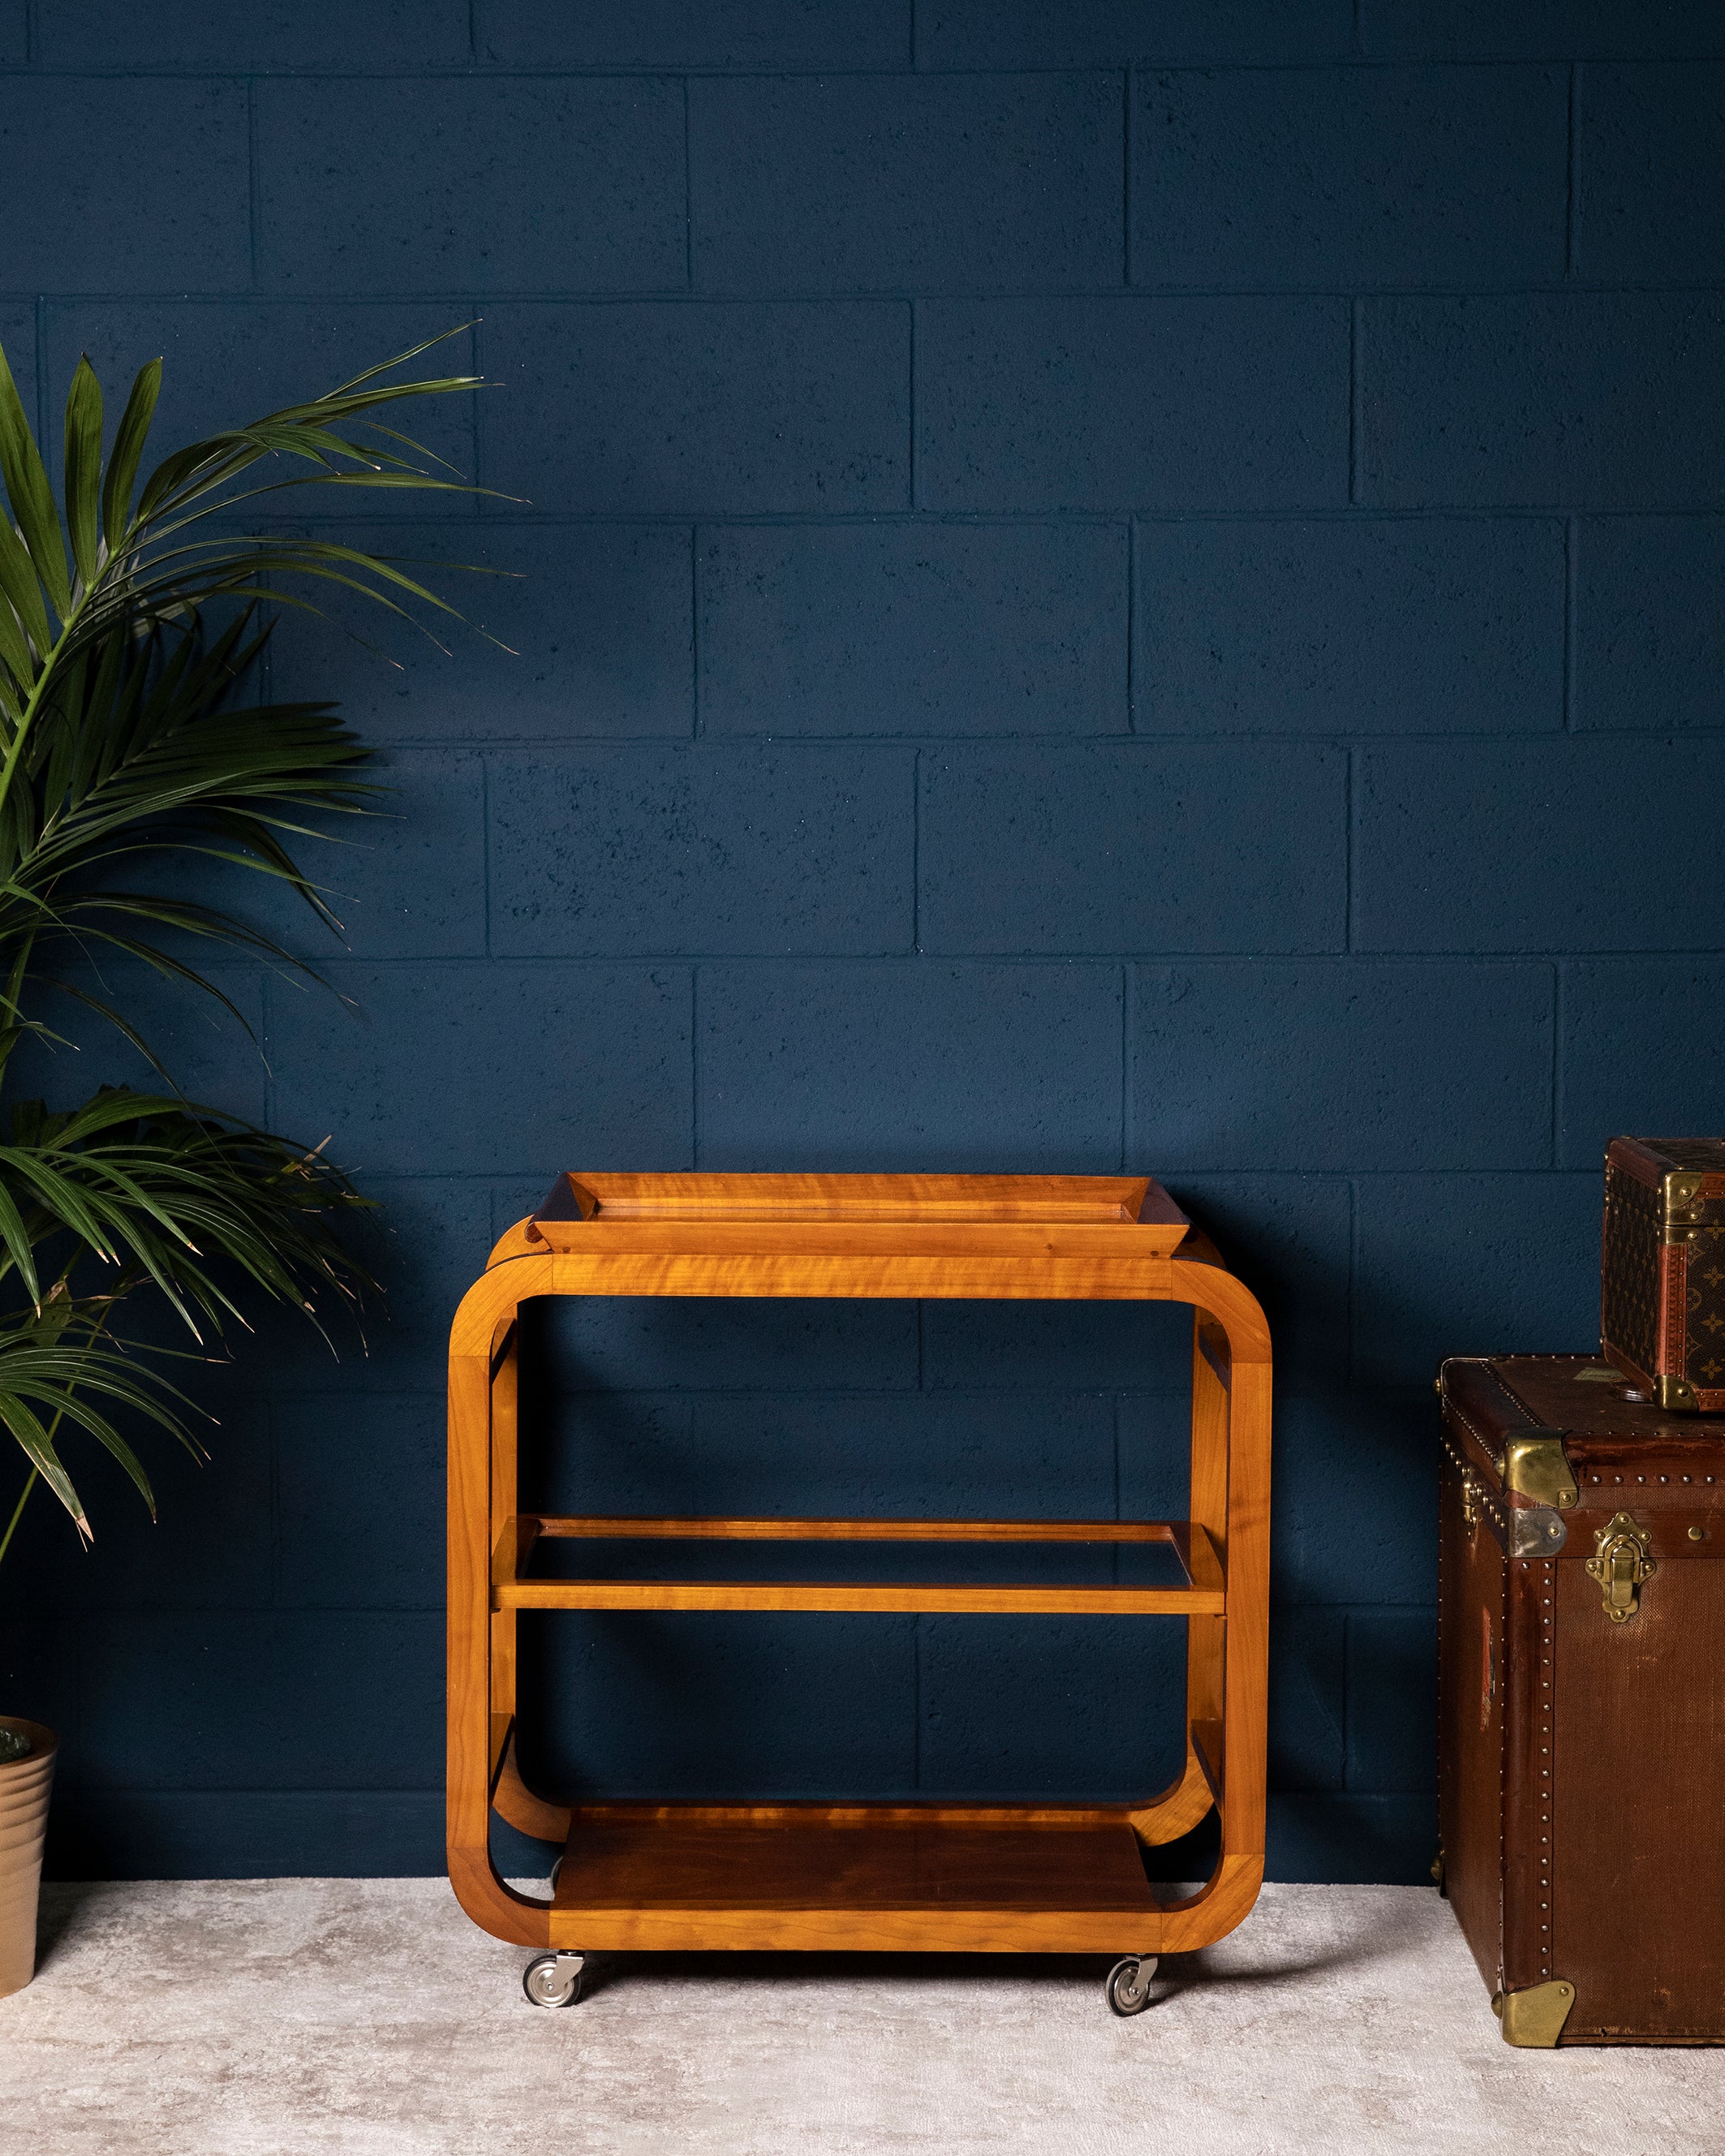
(1534, 1465)
(1534, 2020)
(1680, 1192)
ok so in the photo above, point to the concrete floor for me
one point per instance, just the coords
(302, 2017)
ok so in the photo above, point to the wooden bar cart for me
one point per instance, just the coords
(929, 1877)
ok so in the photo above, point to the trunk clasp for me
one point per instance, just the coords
(1621, 1565)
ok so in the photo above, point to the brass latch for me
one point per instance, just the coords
(1621, 1565)
(1469, 1501)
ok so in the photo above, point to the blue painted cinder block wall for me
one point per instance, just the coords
(1103, 586)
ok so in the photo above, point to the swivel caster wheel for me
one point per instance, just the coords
(553, 1979)
(1127, 1989)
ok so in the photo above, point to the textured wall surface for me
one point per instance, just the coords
(1092, 586)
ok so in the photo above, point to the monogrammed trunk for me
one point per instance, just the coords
(1581, 1708)
(1662, 1283)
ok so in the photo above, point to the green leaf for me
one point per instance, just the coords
(84, 470)
(38, 1450)
(401, 359)
(104, 1010)
(128, 452)
(18, 1242)
(26, 487)
(14, 655)
(20, 589)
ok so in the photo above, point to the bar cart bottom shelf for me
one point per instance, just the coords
(660, 1880)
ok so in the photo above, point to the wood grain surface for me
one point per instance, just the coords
(992, 1879)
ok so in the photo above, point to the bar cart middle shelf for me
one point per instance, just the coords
(931, 1877)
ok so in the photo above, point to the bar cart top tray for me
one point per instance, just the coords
(578, 1198)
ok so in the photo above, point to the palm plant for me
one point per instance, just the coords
(130, 620)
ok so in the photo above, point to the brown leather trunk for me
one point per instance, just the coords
(1581, 1707)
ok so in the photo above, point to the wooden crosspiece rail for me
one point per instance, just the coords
(999, 1878)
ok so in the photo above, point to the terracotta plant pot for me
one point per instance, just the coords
(24, 1784)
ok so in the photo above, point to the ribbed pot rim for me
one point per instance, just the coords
(43, 1745)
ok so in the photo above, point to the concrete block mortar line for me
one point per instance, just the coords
(695, 714)
(695, 1066)
(1013, 519)
(1054, 961)
(678, 296)
(266, 1001)
(1125, 184)
(1131, 622)
(1540, 1172)
(1556, 1059)
(273, 1452)
(916, 852)
(1349, 1294)
(549, 745)
(466, 70)
(1346, 1688)
(1141, 62)
(688, 198)
(1356, 335)
(1347, 812)
(39, 360)
(915, 1702)
(675, 299)
(1571, 579)
(476, 316)
(911, 404)
(1352, 1357)
(1571, 204)
(251, 177)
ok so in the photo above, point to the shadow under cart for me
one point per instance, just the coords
(933, 1877)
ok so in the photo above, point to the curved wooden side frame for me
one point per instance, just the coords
(1227, 1656)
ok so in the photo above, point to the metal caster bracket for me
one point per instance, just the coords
(1127, 1989)
(553, 1979)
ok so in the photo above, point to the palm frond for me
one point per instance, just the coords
(131, 618)
(159, 1185)
(122, 569)
(55, 1367)
(119, 735)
